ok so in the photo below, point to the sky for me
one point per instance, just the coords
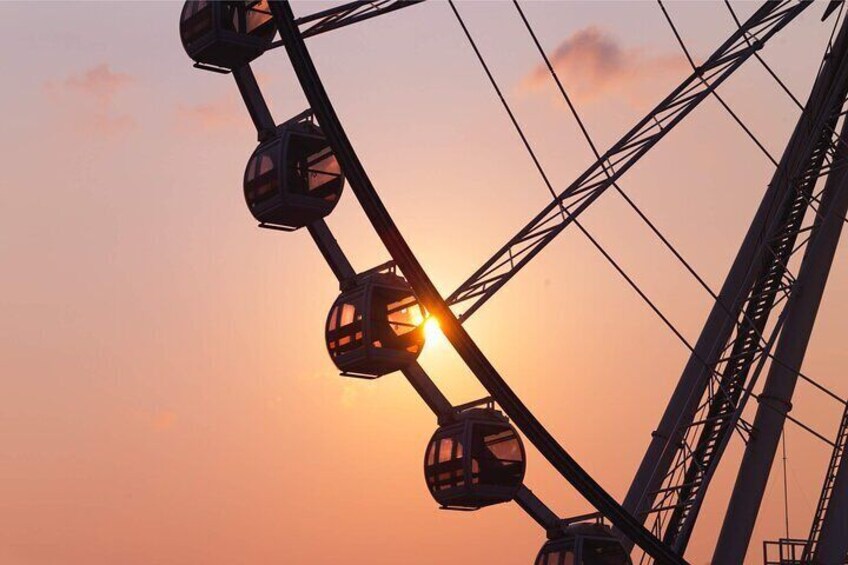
(165, 392)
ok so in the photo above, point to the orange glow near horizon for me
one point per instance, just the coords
(168, 394)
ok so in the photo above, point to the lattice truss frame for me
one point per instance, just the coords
(607, 170)
(746, 352)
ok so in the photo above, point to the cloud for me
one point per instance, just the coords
(89, 99)
(99, 82)
(163, 420)
(592, 63)
(156, 419)
(217, 115)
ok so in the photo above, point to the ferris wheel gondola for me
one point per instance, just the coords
(584, 543)
(477, 461)
(375, 325)
(226, 34)
(293, 179)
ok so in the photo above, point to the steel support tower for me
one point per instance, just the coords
(740, 331)
(800, 312)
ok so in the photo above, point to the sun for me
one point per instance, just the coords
(433, 332)
(433, 335)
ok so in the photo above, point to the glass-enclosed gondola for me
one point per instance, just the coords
(375, 327)
(584, 543)
(293, 179)
(477, 461)
(226, 34)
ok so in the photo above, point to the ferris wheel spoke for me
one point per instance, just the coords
(738, 48)
(349, 13)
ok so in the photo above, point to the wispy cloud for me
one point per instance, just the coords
(156, 419)
(593, 64)
(99, 82)
(219, 114)
(90, 98)
(163, 420)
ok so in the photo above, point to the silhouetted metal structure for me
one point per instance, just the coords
(625, 153)
(705, 407)
(814, 152)
(475, 458)
(784, 551)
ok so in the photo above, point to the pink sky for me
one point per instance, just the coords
(165, 393)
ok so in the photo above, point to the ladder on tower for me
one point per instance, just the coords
(827, 487)
(678, 500)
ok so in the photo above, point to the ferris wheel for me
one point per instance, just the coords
(760, 321)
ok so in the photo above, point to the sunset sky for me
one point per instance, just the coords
(165, 392)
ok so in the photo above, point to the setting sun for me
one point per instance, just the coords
(433, 331)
